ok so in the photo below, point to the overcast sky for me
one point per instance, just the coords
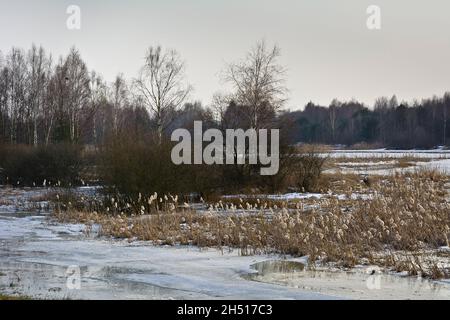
(327, 48)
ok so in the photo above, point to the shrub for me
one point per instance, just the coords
(299, 169)
(143, 166)
(308, 171)
(27, 165)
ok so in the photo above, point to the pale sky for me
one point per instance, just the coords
(325, 44)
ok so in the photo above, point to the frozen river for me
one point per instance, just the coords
(46, 260)
(42, 260)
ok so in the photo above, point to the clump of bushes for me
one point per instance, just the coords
(142, 165)
(22, 165)
(308, 170)
(130, 167)
(300, 170)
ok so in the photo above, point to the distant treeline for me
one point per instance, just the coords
(389, 124)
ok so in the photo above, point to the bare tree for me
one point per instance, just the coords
(259, 82)
(54, 106)
(98, 98)
(161, 84)
(219, 105)
(78, 89)
(17, 90)
(119, 98)
(69, 98)
(381, 106)
(4, 85)
(332, 116)
(39, 69)
(445, 114)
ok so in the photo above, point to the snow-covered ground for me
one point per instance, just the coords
(297, 196)
(388, 161)
(37, 258)
(41, 259)
(287, 196)
(439, 165)
(359, 283)
(442, 166)
(385, 153)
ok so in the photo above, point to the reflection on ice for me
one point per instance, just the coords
(363, 283)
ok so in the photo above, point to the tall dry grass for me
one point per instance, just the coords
(406, 213)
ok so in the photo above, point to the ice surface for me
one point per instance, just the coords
(111, 269)
(35, 255)
(384, 153)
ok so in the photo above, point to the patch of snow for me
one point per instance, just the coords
(383, 153)
(442, 166)
(281, 197)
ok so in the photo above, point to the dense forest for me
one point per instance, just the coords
(44, 101)
(387, 123)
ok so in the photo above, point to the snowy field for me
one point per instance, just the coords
(387, 162)
(390, 167)
(385, 153)
(36, 255)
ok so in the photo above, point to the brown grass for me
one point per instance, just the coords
(12, 297)
(406, 213)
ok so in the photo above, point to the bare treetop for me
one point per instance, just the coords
(161, 83)
(259, 81)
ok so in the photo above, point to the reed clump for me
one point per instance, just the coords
(406, 213)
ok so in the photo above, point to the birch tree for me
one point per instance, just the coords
(39, 69)
(78, 88)
(119, 98)
(258, 82)
(161, 85)
(17, 90)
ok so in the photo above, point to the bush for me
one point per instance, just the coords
(299, 170)
(28, 166)
(133, 166)
(308, 171)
